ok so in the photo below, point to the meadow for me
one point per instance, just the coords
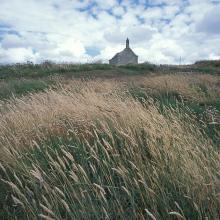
(102, 142)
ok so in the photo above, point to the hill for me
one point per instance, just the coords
(96, 141)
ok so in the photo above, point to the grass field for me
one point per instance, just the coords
(104, 142)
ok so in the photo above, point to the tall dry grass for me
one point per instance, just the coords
(196, 87)
(91, 151)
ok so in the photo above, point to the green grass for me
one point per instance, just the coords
(140, 68)
(44, 70)
(120, 203)
(208, 69)
(147, 154)
(19, 87)
(72, 70)
(173, 100)
(93, 70)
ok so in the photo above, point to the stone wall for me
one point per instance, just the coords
(125, 57)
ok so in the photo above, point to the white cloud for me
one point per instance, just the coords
(12, 41)
(106, 4)
(17, 55)
(137, 34)
(61, 30)
(210, 23)
(167, 2)
(118, 11)
(153, 13)
(108, 52)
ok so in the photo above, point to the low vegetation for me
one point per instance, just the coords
(136, 146)
(47, 68)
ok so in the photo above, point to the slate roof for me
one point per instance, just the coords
(124, 52)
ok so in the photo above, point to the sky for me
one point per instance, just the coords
(81, 31)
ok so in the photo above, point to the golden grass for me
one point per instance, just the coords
(198, 87)
(117, 158)
(80, 103)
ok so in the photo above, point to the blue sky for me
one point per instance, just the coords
(160, 31)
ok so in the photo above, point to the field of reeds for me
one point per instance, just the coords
(127, 147)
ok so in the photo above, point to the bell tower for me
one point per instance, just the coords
(127, 43)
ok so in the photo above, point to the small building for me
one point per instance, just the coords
(127, 56)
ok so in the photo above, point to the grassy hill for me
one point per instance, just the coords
(96, 141)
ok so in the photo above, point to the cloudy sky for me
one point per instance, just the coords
(160, 31)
